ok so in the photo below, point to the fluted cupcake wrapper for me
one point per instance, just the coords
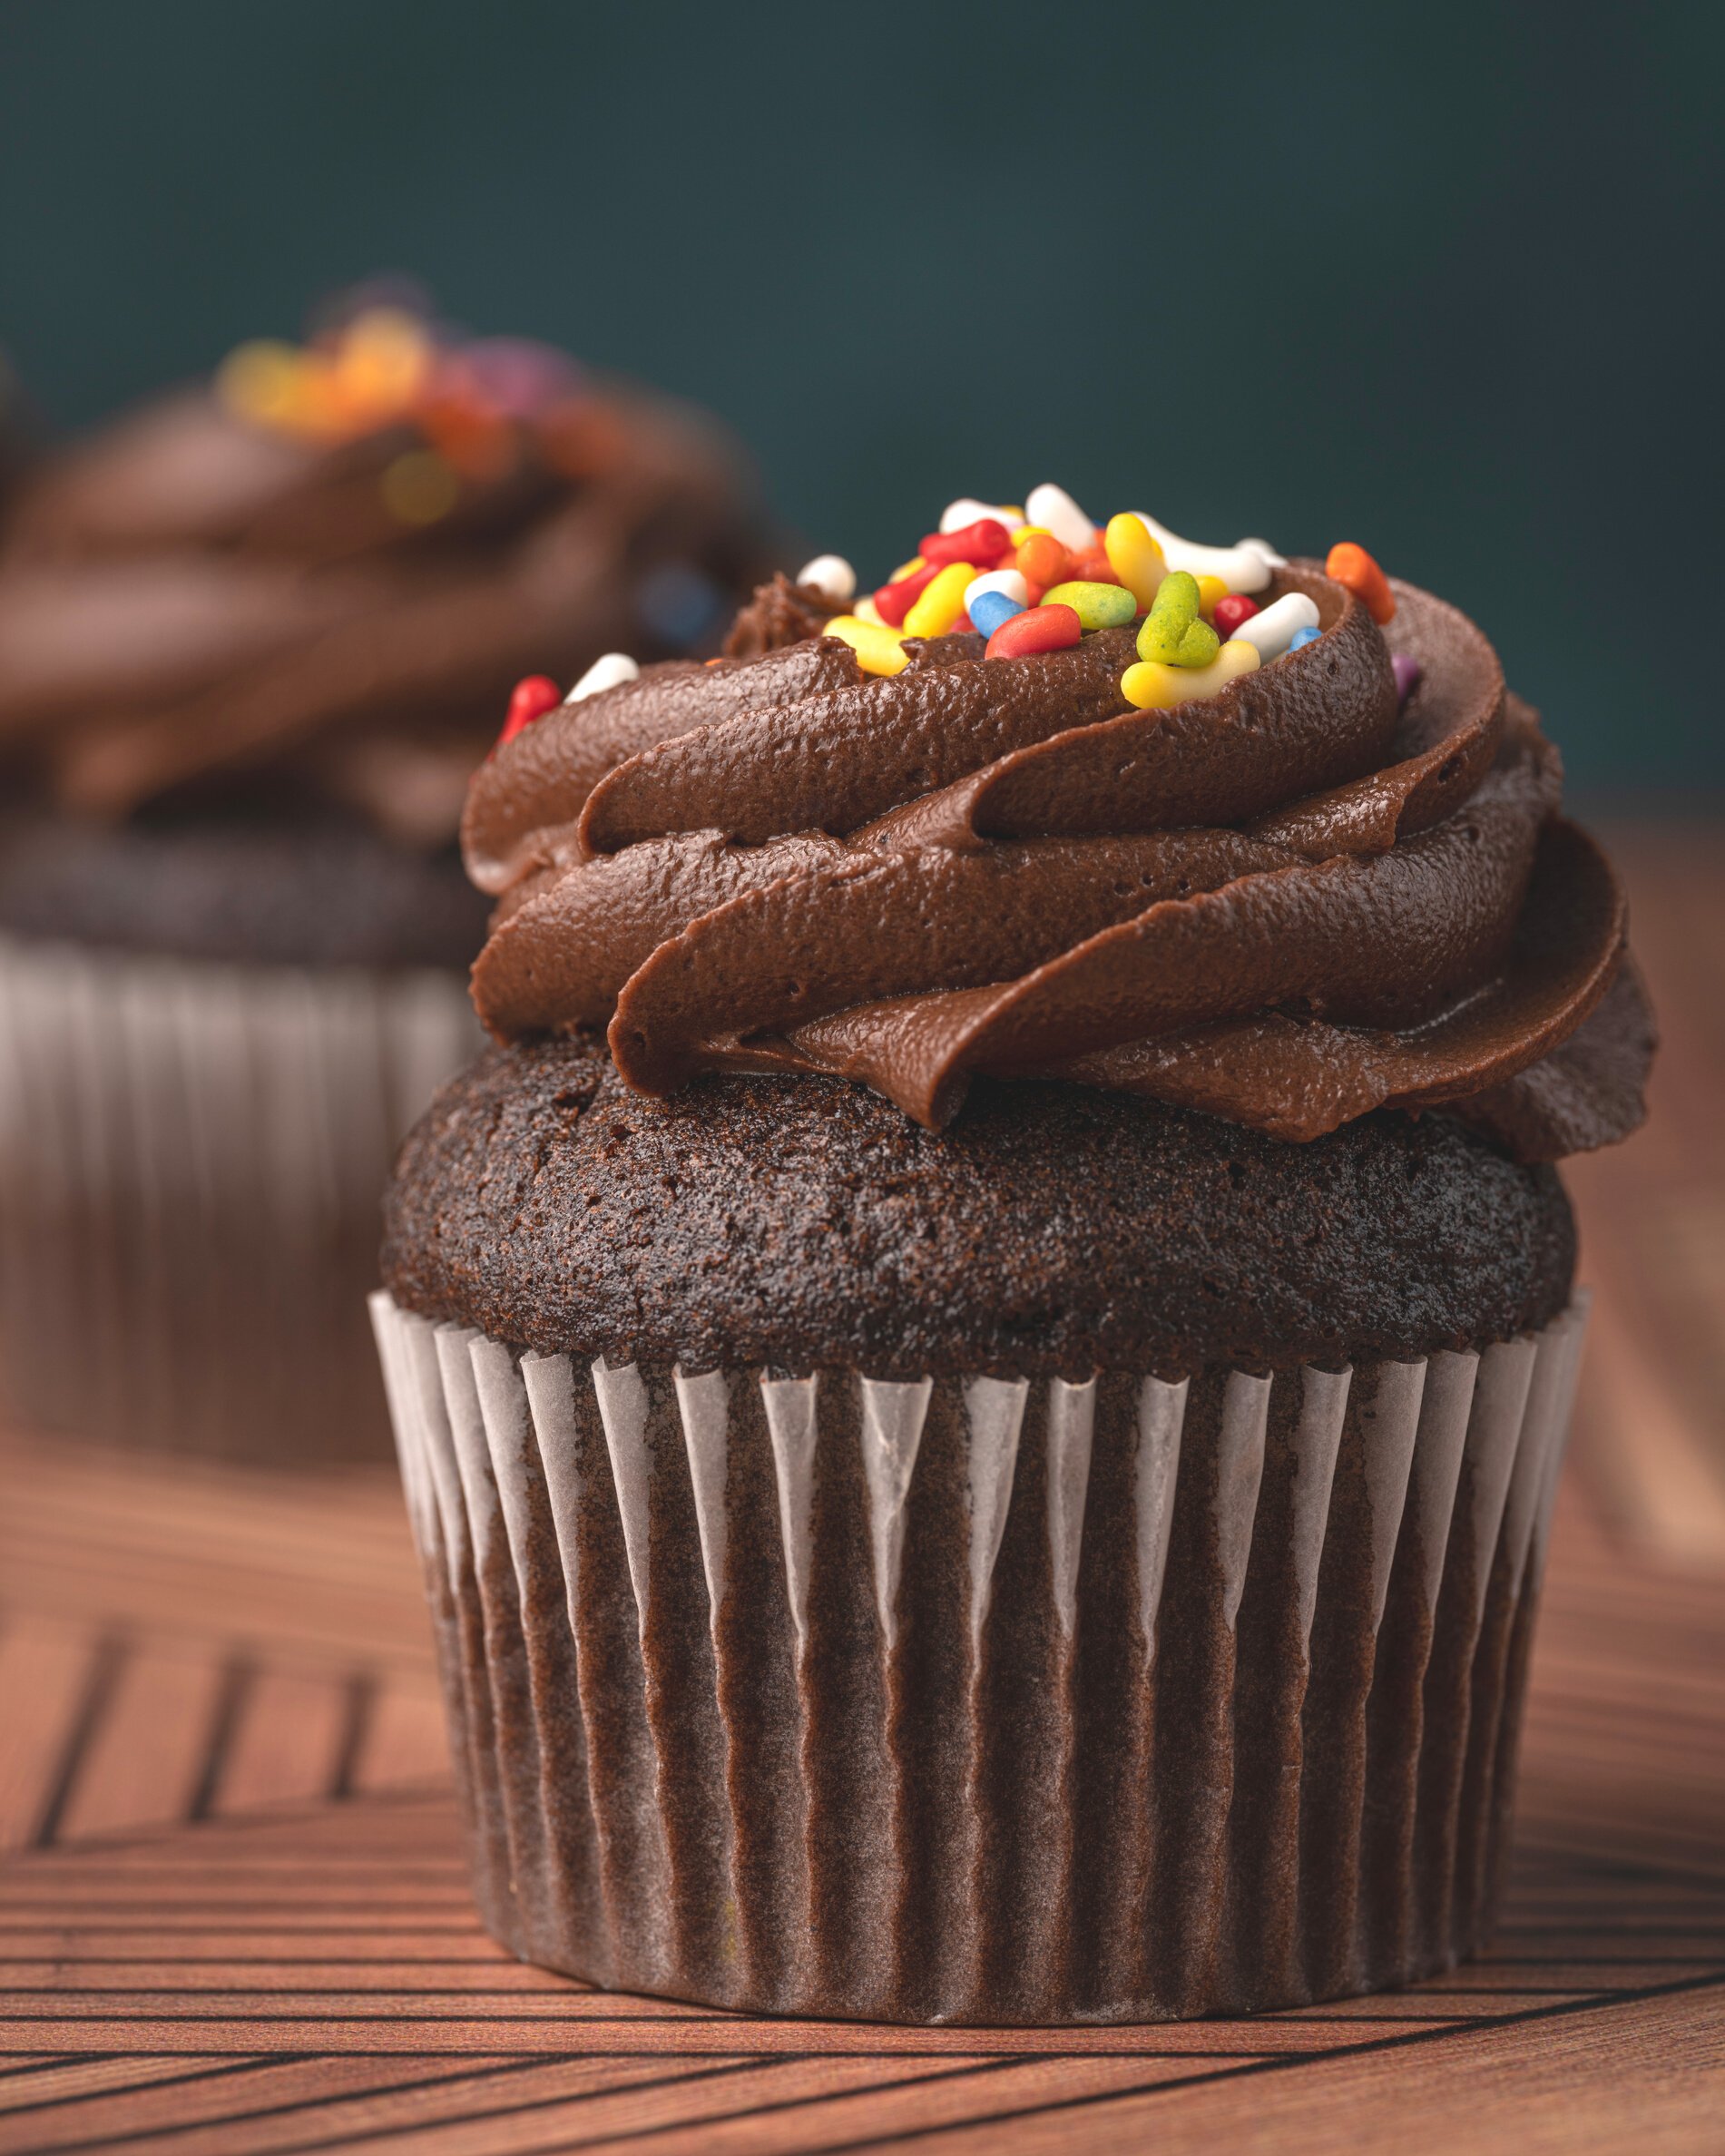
(191, 1157)
(979, 1701)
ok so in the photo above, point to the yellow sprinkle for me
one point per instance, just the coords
(1210, 589)
(1134, 557)
(940, 602)
(1024, 531)
(906, 569)
(382, 360)
(418, 488)
(318, 407)
(865, 609)
(1154, 687)
(879, 650)
(260, 381)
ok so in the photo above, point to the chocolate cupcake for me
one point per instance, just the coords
(981, 1374)
(253, 639)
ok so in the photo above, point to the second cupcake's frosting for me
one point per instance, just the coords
(278, 598)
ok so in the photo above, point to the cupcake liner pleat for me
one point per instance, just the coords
(983, 1700)
(191, 1157)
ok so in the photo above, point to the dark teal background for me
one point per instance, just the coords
(1440, 279)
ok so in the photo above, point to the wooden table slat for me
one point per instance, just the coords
(145, 1763)
(46, 1667)
(404, 1740)
(287, 1742)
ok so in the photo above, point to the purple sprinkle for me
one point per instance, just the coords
(1407, 673)
(518, 374)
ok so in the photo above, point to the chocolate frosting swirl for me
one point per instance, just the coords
(1285, 904)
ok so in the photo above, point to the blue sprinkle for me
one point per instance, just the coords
(1302, 637)
(991, 609)
(678, 602)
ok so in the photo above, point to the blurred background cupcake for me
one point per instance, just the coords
(254, 637)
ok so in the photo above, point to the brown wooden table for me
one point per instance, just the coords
(234, 1915)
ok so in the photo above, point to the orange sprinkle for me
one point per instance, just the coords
(480, 444)
(1353, 566)
(1043, 560)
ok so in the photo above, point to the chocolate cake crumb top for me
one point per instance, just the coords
(1056, 1230)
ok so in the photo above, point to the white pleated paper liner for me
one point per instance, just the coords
(192, 1160)
(982, 1701)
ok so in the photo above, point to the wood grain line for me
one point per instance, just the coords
(224, 1719)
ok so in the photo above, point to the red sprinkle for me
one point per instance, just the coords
(1095, 567)
(1232, 611)
(1038, 629)
(982, 543)
(1353, 566)
(893, 602)
(532, 698)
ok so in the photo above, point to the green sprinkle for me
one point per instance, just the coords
(1097, 605)
(1174, 630)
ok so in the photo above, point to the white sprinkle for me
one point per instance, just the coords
(608, 672)
(1244, 567)
(832, 574)
(1272, 630)
(1005, 580)
(956, 515)
(1054, 510)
